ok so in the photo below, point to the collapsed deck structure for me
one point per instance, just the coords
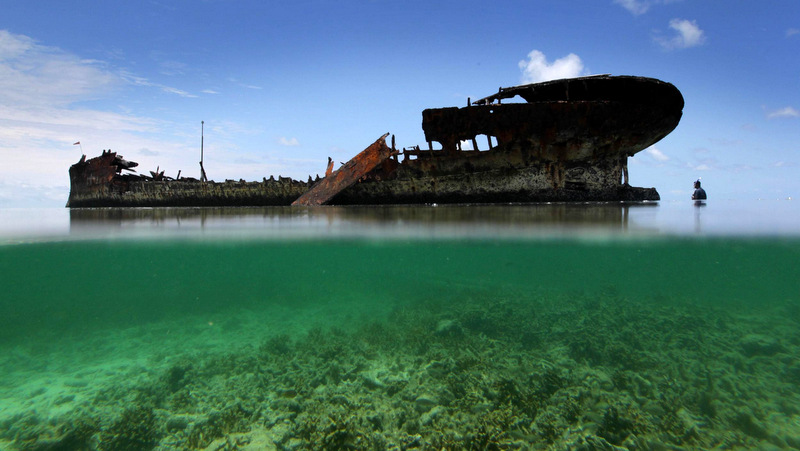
(561, 140)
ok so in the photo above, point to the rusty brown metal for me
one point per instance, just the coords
(96, 174)
(329, 170)
(348, 174)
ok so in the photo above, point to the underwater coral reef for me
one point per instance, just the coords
(488, 372)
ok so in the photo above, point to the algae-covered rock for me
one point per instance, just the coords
(448, 327)
(135, 429)
(760, 345)
(424, 403)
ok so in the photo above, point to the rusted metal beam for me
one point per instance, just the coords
(348, 174)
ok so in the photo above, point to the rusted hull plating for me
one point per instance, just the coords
(348, 174)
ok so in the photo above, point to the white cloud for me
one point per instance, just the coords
(791, 32)
(636, 7)
(12, 46)
(639, 7)
(656, 154)
(177, 91)
(536, 68)
(141, 81)
(783, 112)
(39, 84)
(173, 68)
(686, 34)
(784, 164)
(284, 141)
(31, 74)
(244, 85)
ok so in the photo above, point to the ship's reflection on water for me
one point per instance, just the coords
(480, 221)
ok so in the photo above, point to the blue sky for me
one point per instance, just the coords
(283, 85)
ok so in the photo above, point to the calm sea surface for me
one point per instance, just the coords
(401, 327)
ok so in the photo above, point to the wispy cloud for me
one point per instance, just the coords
(39, 85)
(177, 91)
(783, 112)
(698, 167)
(284, 141)
(32, 74)
(698, 159)
(243, 85)
(639, 7)
(792, 31)
(537, 69)
(656, 154)
(148, 152)
(13, 46)
(141, 81)
(636, 7)
(686, 34)
(173, 67)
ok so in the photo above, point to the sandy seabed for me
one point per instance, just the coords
(492, 371)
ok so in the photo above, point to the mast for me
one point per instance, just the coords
(203, 177)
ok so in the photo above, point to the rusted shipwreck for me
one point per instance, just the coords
(565, 140)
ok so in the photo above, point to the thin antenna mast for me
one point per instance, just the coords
(203, 177)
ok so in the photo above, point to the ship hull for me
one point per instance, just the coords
(497, 186)
(569, 140)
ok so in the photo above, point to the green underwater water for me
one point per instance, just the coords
(72, 290)
(85, 284)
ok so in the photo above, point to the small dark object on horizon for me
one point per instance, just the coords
(699, 193)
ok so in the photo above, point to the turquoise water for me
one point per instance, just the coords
(459, 328)
(87, 284)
